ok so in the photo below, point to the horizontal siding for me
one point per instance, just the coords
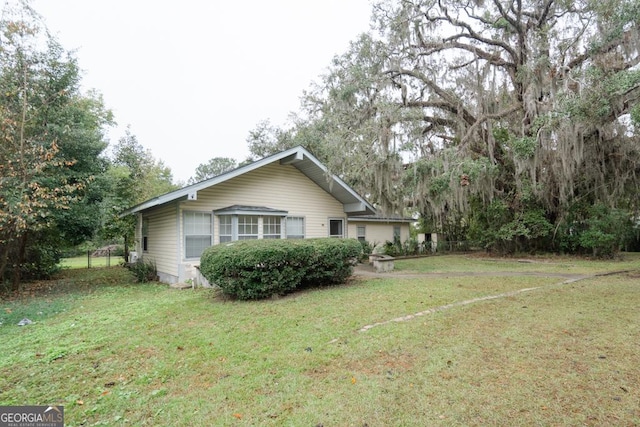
(162, 239)
(274, 186)
(379, 232)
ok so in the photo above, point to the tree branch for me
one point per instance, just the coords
(452, 103)
(475, 36)
(486, 117)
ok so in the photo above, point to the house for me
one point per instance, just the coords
(289, 195)
(378, 228)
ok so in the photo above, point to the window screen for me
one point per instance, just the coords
(295, 227)
(197, 233)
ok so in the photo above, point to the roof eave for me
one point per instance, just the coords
(356, 205)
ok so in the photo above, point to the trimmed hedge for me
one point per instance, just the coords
(255, 269)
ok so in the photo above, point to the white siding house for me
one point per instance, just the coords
(287, 195)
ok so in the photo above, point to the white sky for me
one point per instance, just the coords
(192, 78)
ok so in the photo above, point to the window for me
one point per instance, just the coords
(361, 232)
(226, 228)
(247, 227)
(295, 227)
(335, 228)
(197, 233)
(396, 234)
(271, 227)
(145, 235)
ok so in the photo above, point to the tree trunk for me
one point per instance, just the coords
(17, 273)
(126, 249)
(4, 260)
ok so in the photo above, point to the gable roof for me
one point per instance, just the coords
(298, 157)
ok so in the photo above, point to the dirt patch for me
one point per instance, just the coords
(635, 274)
(379, 363)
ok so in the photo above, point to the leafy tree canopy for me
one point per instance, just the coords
(51, 139)
(133, 177)
(214, 167)
(451, 106)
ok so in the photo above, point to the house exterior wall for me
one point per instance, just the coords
(275, 186)
(162, 239)
(378, 231)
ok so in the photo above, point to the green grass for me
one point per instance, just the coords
(83, 262)
(542, 263)
(114, 353)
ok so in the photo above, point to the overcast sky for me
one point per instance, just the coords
(192, 78)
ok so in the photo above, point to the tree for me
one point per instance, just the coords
(145, 176)
(134, 176)
(214, 167)
(457, 104)
(267, 139)
(51, 139)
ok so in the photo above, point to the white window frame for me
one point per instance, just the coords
(145, 235)
(295, 231)
(361, 232)
(245, 221)
(341, 235)
(196, 230)
(225, 228)
(271, 227)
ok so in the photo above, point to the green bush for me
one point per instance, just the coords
(39, 261)
(144, 271)
(595, 230)
(255, 269)
(409, 247)
(331, 261)
(367, 248)
(604, 231)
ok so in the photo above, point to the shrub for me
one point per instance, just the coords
(332, 261)
(39, 261)
(393, 249)
(144, 271)
(367, 249)
(596, 230)
(254, 269)
(605, 231)
(411, 246)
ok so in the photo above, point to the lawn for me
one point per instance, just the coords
(116, 353)
(481, 262)
(93, 262)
